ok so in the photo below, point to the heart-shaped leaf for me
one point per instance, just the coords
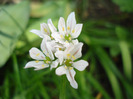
(13, 21)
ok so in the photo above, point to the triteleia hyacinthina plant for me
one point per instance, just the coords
(60, 48)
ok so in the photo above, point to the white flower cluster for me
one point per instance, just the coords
(59, 48)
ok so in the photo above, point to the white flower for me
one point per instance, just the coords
(71, 52)
(46, 30)
(42, 59)
(67, 32)
(67, 58)
(63, 44)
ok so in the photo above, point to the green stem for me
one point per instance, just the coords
(16, 71)
(63, 88)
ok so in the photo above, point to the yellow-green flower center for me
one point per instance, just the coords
(68, 63)
(68, 37)
(47, 60)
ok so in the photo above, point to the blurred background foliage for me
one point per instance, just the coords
(108, 46)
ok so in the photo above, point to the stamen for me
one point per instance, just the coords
(70, 68)
(51, 37)
(65, 67)
(47, 62)
(69, 38)
(61, 36)
(59, 48)
(68, 56)
(73, 57)
(66, 41)
(43, 65)
(63, 28)
(45, 30)
(73, 31)
(38, 54)
(37, 61)
(68, 28)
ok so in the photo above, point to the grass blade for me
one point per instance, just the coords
(113, 80)
(98, 87)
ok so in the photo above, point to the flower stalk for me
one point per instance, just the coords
(63, 88)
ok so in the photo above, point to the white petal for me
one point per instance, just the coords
(77, 30)
(73, 51)
(45, 29)
(36, 64)
(61, 26)
(71, 22)
(58, 45)
(60, 70)
(76, 52)
(58, 37)
(66, 44)
(46, 37)
(70, 76)
(51, 26)
(47, 49)
(54, 64)
(60, 56)
(52, 44)
(80, 65)
(69, 48)
(36, 54)
(75, 42)
(37, 32)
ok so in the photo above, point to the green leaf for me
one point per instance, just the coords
(13, 21)
(97, 85)
(110, 64)
(121, 33)
(114, 51)
(98, 41)
(112, 77)
(124, 47)
(38, 9)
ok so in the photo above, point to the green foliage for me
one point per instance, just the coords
(13, 21)
(125, 5)
(125, 51)
(114, 38)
